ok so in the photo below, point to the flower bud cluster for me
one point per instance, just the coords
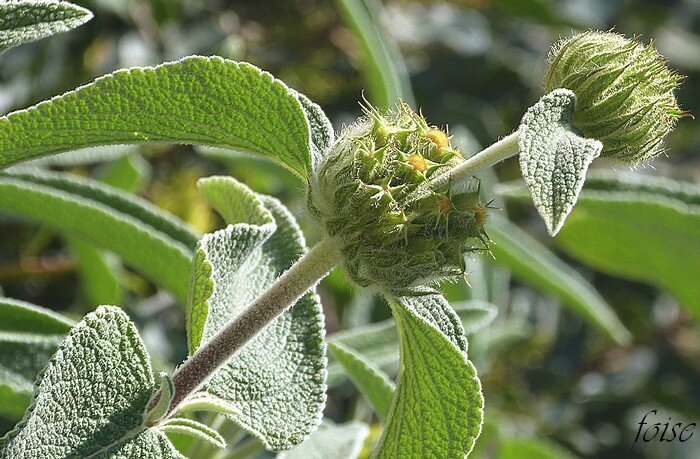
(373, 194)
(625, 92)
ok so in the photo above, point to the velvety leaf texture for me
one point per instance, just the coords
(322, 134)
(438, 406)
(197, 100)
(29, 335)
(378, 343)
(153, 242)
(533, 263)
(91, 397)
(371, 381)
(276, 383)
(342, 441)
(642, 229)
(193, 429)
(532, 448)
(24, 21)
(554, 157)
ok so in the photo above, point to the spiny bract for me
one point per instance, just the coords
(373, 195)
(624, 92)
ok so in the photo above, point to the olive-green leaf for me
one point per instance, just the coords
(532, 448)
(371, 381)
(331, 441)
(535, 265)
(438, 406)
(194, 429)
(29, 20)
(197, 100)
(29, 335)
(640, 228)
(153, 242)
(384, 70)
(378, 343)
(554, 157)
(275, 386)
(91, 397)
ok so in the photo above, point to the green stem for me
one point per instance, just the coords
(284, 292)
(504, 148)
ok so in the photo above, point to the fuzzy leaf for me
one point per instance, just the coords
(341, 441)
(554, 157)
(322, 135)
(91, 397)
(165, 398)
(193, 429)
(371, 381)
(146, 238)
(29, 335)
(378, 343)
(385, 72)
(22, 21)
(276, 383)
(640, 228)
(99, 273)
(203, 401)
(197, 100)
(438, 406)
(532, 448)
(535, 265)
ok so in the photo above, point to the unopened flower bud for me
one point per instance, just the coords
(374, 196)
(624, 92)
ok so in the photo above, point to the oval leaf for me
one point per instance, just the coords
(438, 406)
(554, 157)
(642, 229)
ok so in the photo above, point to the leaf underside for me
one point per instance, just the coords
(275, 386)
(25, 21)
(378, 343)
(554, 157)
(635, 226)
(371, 381)
(643, 229)
(341, 441)
(533, 263)
(91, 397)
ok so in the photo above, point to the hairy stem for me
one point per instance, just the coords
(497, 152)
(284, 292)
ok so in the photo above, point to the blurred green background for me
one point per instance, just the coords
(554, 385)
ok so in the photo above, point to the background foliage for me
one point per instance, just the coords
(552, 382)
